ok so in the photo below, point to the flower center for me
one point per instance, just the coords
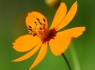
(39, 28)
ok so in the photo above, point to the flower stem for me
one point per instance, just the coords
(66, 61)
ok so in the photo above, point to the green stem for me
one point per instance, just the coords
(66, 61)
(74, 58)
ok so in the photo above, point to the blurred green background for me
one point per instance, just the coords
(81, 52)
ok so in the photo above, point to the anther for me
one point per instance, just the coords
(38, 19)
(40, 28)
(44, 19)
(35, 22)
(34, 34)
(40, 23)
(30, 27)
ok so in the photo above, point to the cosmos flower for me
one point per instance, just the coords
(40, 36)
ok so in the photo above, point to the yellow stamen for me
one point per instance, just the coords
(39, 26)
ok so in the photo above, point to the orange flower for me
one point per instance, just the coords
(40, 35)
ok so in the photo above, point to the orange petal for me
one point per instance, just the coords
(29, 54)
(70, 15)
(72, 32)
(59, 45)
(63, 39)
(59, 16)
(25, 43)
(32, 17)
(54, 47)
(40, 56)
